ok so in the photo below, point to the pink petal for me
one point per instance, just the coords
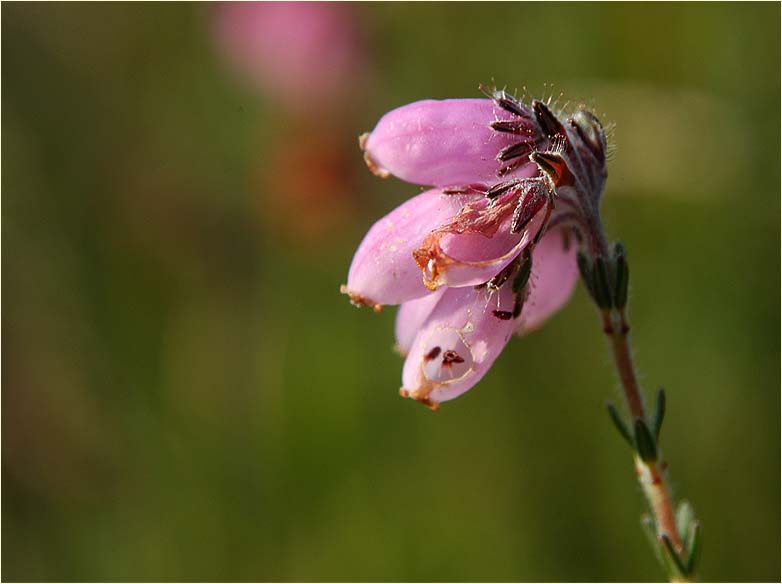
(475, 245)
(457, 344)
(441, 143)
(554, 276)
(383, 270)
(411, 316)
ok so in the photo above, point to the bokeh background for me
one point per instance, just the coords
(187, 396)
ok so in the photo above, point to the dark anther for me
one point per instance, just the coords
(544, 224)
(518, 304)
(525, 268)
(546, 119)
(594, 148)
(504, 275)
(471, 189)
(497, 281)
(502, 188)
(451, 357)
(549, 162)
(515, 150)
(529, 205)
(510, 127)
(510, 105)
(431, 355)
(502, 314)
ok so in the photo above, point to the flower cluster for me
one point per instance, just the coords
(488, 251)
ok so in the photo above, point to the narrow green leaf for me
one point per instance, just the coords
(659, 413)
(669, 553)
(619, 423)
(694, 547)
(644, 442)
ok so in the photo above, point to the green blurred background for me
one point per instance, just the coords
(187, 396)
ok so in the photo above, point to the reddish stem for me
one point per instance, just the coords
(650, 474)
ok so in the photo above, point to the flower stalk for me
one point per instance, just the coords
(674, 534)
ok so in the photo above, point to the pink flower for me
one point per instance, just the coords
(297, 51)
(491, 250)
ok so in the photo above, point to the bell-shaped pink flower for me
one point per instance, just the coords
(453, 240)
(461, 328)
(447, 142)
(456, 344)
(490, 251)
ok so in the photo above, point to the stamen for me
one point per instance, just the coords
(451, 357)
(510, 127)
(471, 189)
(546, 118)
(516, 150)
(502, 188)
(518, 304)
(529, 204)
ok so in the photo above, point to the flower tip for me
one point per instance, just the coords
(425, 400)
(401, 352)
(373, 166)
(358, 300)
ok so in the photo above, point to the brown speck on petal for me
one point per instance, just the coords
(359, 300)
(420, 398)
(432, 354)
(373, 166)
(429, 403)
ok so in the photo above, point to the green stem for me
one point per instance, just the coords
(651, 474)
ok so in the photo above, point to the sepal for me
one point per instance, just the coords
(621, 276)
(645, 443)
(678, 566)
(606, 279)
(659, 413)
(601, 283)
(619, 423)
(671, 559)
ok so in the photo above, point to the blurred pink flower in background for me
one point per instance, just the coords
(293, 51)
(306, 58)
(485, 253)
(302, 208)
